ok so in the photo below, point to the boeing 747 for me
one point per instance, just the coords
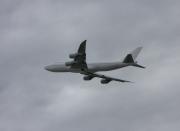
(89, 70)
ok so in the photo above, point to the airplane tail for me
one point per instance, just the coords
(131, 58)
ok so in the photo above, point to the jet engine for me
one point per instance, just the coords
(72, 56)
(70, 63)
(87, 78)
(105, 81)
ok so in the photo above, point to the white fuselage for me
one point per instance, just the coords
(93, 67)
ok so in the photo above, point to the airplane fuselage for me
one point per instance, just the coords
(92, 67)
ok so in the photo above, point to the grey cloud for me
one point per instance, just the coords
(36, 33)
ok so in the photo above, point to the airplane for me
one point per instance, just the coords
(89, 70)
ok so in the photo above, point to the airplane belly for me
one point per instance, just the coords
(105, 67)
(57, 68)
(100, 68)
(62, 69)
(75, 70)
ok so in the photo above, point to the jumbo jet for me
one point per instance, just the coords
(89, 70)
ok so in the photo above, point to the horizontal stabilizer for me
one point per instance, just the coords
(136, 65)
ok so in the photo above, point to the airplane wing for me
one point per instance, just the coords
(105, 79)
(79, 58)
(82, 53)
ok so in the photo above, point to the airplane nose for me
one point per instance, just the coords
(48, 68)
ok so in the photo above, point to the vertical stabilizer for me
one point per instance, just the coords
(136, 52)
(131, 58)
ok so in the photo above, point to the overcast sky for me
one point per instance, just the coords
(36, 33)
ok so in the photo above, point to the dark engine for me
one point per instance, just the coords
(70, 63)
(87, 78)
(72, 56)
(105, 81)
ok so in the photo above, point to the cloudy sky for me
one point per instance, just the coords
(35, 33)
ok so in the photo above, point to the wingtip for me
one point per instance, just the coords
(140, 48)
(84, 42)
(130, 82)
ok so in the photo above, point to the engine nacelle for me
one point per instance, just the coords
(72, 56)
(70, 63)
(87, 78)
(105, 81)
